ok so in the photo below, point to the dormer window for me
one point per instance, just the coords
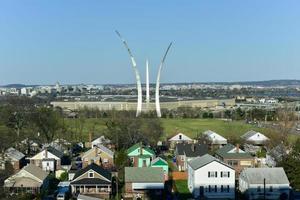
(180, 137)
(91, 174)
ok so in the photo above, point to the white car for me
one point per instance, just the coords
(60, 196)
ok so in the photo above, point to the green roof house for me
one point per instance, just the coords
(140, 155)
(159, 162)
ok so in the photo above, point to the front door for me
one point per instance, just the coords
(201, 191)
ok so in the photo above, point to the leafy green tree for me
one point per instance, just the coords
(48, 122)
(291, 165)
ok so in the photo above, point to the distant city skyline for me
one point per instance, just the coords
(72, 42)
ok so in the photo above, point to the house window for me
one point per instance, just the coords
(222, 188)
(271, 188)
(180, 137)
(216, 188)
(212, 174)
(228, 188)
(209, 188)
(225, 174)
(91, 174)
(232, 162)
(258, 189)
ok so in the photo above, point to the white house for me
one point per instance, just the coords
(100, 141)
(214, 138)
(210, 178)
(254, 137)
(48, 159)
(271, 182)
(179, 138)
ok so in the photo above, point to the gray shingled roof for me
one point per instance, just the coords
(14, 154)
(36, 171)
(223, 152)
(191, 150)
(248, 134)
(144, 174)
(204, 160)
(271, 175)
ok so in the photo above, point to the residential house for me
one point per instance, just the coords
(49, 159)
(29, 179)
(276, 155)
(99, 155)
(15, 157)
(214, 139)
(159, 162)
(211, 178)
(92, 180)
(185, 152)
(255, 138)
(100, 141)
(140, 155)
(140, 180)
(268, 183)
(179, 138)
(235, 157)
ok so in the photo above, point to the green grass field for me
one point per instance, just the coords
(190, 127)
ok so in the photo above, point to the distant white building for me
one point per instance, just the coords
(272, 183)
(210, 178)
(254, 137)
(214, 138)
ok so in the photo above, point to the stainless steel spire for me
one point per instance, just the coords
(137, 76)
(157, 103)
(147, 85)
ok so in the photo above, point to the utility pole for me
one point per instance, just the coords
(264, 189)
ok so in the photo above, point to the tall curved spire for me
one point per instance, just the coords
(137, 76)
(157, 103)
(147, 85)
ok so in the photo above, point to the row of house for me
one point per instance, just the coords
(211, 172)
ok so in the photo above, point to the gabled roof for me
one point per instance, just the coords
(144, 174)
(101, 148)
(248, 134)
(204, 160)
(226, 152)
(14, 154)
(214, 137)
(159, 161)
(106, 150)
(271, 175)
(35, 171)
(55, 152)
(183, 137)
(191, 150)
(139, 145)
(96, 168)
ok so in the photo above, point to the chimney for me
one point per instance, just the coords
(237, 148)
(193, 147)
(46, 152)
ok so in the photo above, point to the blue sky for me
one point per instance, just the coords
(73, 41)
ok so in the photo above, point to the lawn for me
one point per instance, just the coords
(190, 127)
(182, 189)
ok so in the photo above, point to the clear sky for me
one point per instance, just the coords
(73, 41)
